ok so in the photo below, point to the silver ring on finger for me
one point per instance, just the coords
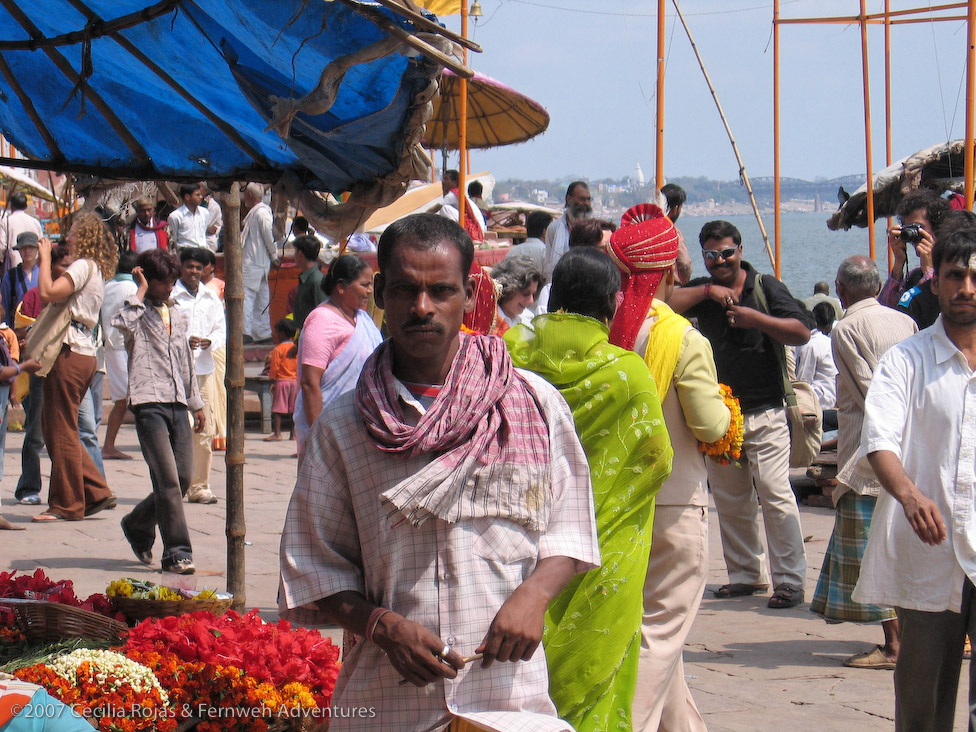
(444, 651)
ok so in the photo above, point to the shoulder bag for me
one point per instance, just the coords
(802, 404)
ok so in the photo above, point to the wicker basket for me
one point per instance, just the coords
(52, 621)
(138, 609)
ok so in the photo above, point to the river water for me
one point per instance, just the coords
(811, 252)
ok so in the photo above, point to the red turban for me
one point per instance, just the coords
(644, 248)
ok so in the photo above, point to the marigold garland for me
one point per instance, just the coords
(111, 691)
(727, 450)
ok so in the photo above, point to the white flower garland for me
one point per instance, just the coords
(108, 664)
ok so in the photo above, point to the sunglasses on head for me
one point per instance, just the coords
(712, 254)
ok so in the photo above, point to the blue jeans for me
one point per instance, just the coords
(87, 426)
(167, 445)
(30, 459)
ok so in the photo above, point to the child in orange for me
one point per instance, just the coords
(283, 371)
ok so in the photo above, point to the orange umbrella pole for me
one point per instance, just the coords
(659, 147)
(463, 123)
(776, 225)
(867, 128)
(970, 97)
(887, 29)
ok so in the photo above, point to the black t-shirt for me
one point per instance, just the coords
(921, 303)
(745, 358)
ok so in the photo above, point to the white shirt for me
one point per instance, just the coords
(449, 210)
(206, 321)
(533, 248)
(116, 292)
(188, 229)
(145, 239)
(921, 406)
(215, 217)
(557, 244)
(257, 239)
(11, 226)
(815, 366)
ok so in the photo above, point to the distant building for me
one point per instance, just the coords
(638, 176)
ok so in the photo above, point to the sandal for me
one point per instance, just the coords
(873, 659)
(103, 505)
(43, 518)
(784, 596)
(737, 589)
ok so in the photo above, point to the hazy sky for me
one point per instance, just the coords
(591, 63)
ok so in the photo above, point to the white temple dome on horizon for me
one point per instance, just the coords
(638, 175)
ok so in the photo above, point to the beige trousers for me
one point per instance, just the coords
(202, 450)
(764, 473)
(672, 593)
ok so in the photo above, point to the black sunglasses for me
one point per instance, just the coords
(713, 254)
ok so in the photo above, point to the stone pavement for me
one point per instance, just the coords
(750, 668)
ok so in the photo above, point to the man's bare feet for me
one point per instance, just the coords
(273, 438)
(110, 453)
(7, 526)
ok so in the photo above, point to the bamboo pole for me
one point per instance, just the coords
(867, 129)
(234, 528)
(887, 45)
(659, 144)
(970, 96)
(776, 226)
(728, 130)
(463, 123)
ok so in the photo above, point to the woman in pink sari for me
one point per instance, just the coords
(337, 338)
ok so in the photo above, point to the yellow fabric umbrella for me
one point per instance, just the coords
(441, 7)
(497, 114)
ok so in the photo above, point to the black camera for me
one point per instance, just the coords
(911, 233)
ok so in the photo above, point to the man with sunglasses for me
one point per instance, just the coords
(745, 334)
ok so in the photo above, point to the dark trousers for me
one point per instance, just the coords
(30, 458)
(167, 445)
(929, 662)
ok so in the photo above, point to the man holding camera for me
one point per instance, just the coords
(919, 214)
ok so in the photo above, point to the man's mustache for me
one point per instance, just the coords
(422, 323)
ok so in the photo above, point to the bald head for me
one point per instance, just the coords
(857, 279)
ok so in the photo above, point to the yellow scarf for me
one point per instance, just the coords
(664, 345)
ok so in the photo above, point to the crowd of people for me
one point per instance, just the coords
(505, 502)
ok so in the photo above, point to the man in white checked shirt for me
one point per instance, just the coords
(438, 509)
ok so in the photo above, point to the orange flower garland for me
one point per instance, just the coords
(727, 450)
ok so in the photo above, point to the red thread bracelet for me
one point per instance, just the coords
(708, 289)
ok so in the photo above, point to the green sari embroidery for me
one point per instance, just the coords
(592, 633)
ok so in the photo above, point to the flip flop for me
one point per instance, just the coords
(103, 505)
(43, 518)
(738, 589)
(272, 438)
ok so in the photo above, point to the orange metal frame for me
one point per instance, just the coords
(887, 18)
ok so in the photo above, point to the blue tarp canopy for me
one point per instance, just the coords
(182, 90)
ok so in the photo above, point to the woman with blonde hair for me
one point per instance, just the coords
(77, 488)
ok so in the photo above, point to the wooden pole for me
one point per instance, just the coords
(659, 145)
(970, 97)
(235, 528)
(728, 130)
(867, 128)
(463, 123)
(776, 226)
(887, 42)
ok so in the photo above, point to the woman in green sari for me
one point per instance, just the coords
(592, 634)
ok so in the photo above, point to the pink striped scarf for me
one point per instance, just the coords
(486, 429)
